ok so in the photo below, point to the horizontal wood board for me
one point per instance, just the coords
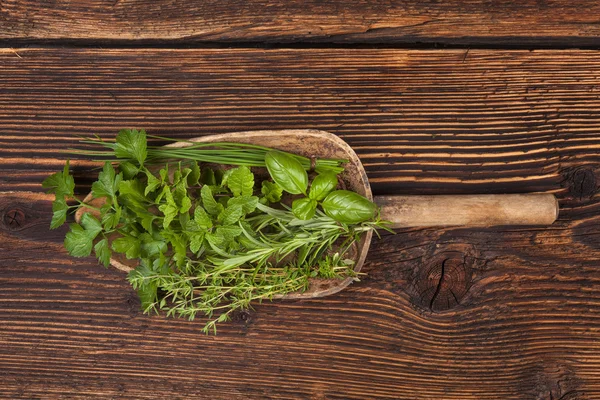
(476, 22)
(491, 313)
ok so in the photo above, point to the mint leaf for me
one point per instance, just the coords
(196, 241)
(231, 215)
(170, 211)
(128, 245)
(207, 177)
(248, 203)
(107, 183)
(194, 176)
(229, 233)
(271, 191)
(60, 183)
(209, 202)
(241, 181)
(202, 218)
(78, 242)
(103, 252)
(131, 143)
(59, 212)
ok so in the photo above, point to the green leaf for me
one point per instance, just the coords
(229, 233)
(224, 176)
(91, 224)
(103, 252)
(215, 239)
(107, 183)
(152, 184)
(248, 203)
(186, 204)
(131, 144)
(196, 241)
(128, 245)
(271, 191)
(128, 169)
(304, 208)
(164, 175)
(146, 220)
(287, 172)
(132, 191)
(322, 185)
(202, 218)
(170, 211)
(60, 183)
(59, 212)
(241, 181)
(78, 242)
(348, 207)
(207, 177)
(194, 175)
(152, 245)
(231, 215)
(208, 201)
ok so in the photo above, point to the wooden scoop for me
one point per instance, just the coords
(402, 211)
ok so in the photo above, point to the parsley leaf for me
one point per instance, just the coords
(61, 183)
(103, 252)
(127, 244)
(59, 212)
(107, 183)
(131, 143)
(79, 240)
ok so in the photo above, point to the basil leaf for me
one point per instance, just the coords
(348, 207)
(287, 172)
(304, 208)
(322, 185)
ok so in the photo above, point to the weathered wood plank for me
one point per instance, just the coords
(506, 312)
(421, 121)
(528, 22)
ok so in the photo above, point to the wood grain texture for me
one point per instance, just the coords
(511, 313)
(477, 22)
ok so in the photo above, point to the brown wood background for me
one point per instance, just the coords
(497, 313)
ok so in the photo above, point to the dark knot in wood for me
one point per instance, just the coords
(582, 182)
(444, 278)
(14, 219)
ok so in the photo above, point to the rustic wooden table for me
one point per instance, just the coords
(436, 97)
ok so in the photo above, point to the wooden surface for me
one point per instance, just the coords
(491, 313)
(474, 22)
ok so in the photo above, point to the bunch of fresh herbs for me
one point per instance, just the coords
(211, 238)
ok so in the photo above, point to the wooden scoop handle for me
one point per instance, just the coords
(468, 210)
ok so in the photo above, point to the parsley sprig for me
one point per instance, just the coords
(209, 240)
